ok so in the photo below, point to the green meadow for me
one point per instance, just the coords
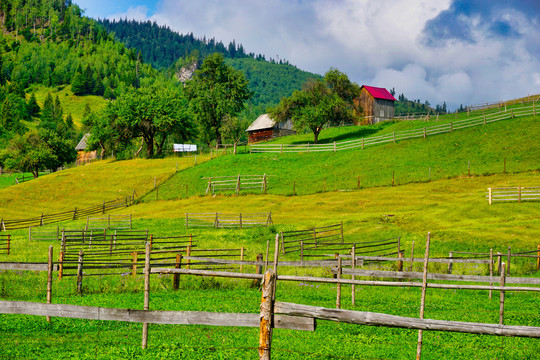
(451, 205)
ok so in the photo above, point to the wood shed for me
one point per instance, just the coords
(377, 103)
(84, 156)
(265, 128)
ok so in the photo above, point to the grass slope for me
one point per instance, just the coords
(441, 156)
(87, 185)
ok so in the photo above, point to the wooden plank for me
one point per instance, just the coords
(377, 319)
(432, 276)
(26, 266)
(154, 316)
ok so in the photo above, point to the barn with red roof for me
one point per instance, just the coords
(377, 103)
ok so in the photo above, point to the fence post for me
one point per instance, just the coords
(424, 132)
(29, 233)
(281, 149)
(519, 197)
(80, 272)
(394, 135)
(187, 219)
(499, 256)
(74, 214)
(400, 262)
(508, 265)
(49, 278)
(146, 305)
(538, 258)
(216, 221)
(451, 126)
(8, 243)
(60, 265)
(412, 257)
(264, 183)
(283, 251)
(176, 277)
(341, 232)
(490, 269)
(241, 258)
(267, 315)
(338, 285)
(362, 143)
(501, 301)
(240, 219)
(3, 225)
(188, 254)
(450, 263)
(41, 222)
(103, 212)
(490, 199)
(353, 266)
(134, 266)
(334, 146)
(238, 185)
(423, 298)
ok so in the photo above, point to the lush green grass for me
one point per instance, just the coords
(441, 156)
(451, 206)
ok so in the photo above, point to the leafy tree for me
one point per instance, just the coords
(319, 103)
(216, 91)
(35, 151)
(234, 129)
(151, 113)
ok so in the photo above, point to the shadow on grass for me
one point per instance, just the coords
(358, 133)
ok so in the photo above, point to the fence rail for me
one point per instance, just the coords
(5, 244)
(75, 214)
(109, 222)
(237, 183)
(224, 220)
(396, 135)
(518, 193)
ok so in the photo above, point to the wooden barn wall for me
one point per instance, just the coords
(260, 135)
(383, 109)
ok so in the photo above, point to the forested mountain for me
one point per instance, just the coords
(161, 47)
(269, 81)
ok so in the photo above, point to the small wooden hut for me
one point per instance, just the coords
(377, 103)
(84, 156)
(265, 128)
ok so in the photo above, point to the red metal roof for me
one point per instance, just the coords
(379, 93)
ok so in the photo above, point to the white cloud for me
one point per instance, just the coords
(139, 13)
(380, 43)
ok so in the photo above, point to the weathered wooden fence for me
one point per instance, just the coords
(5, 243)
(396, 135)
(275, 314)
(225, 220)
(44, 233)
(109, 222)
(517, 193)
(237, 183)
(75, 214)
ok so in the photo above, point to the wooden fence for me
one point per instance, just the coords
(5, 244)
(396, 135)
(237, 183)
(328, 241)
(223, 220)
(109, 222)
(65, 216)
(518, 194)
(275, 314)
(44, 233)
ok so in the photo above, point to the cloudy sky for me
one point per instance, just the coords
(458, 51)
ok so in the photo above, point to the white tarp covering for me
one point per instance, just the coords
(184, 148)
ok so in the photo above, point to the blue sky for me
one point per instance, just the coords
(458, 51)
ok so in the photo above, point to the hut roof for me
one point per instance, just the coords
(262, 122)
(379, 93)
(82, 145)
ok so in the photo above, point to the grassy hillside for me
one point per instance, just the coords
(447, 155)
(87, 185)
